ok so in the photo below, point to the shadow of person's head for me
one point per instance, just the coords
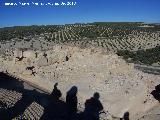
(156, 92)
(126, 116)
(96, 96)
(73, 91)
(56, 93)
(55, 85)
(157, 88)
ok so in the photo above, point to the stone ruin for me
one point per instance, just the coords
(121, 87)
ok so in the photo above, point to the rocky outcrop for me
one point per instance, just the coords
(121, 87)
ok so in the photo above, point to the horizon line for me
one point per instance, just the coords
(8, 26)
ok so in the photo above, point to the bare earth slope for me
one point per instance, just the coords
(122, 88)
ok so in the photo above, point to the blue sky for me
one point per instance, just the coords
(84, 11)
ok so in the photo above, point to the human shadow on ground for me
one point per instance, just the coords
(93, 106)
(54, 108)
(156, 93)
(71, 102)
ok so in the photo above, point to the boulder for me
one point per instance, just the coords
(41, 61)
(18, 53)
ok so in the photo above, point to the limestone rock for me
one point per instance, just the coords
(29, 54)
(120, 85)
(41, 61)
(18, 53)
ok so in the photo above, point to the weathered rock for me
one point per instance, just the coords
(29, 54)
(121, 87)
(52, 57)
(41, 61)
(18, 53)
